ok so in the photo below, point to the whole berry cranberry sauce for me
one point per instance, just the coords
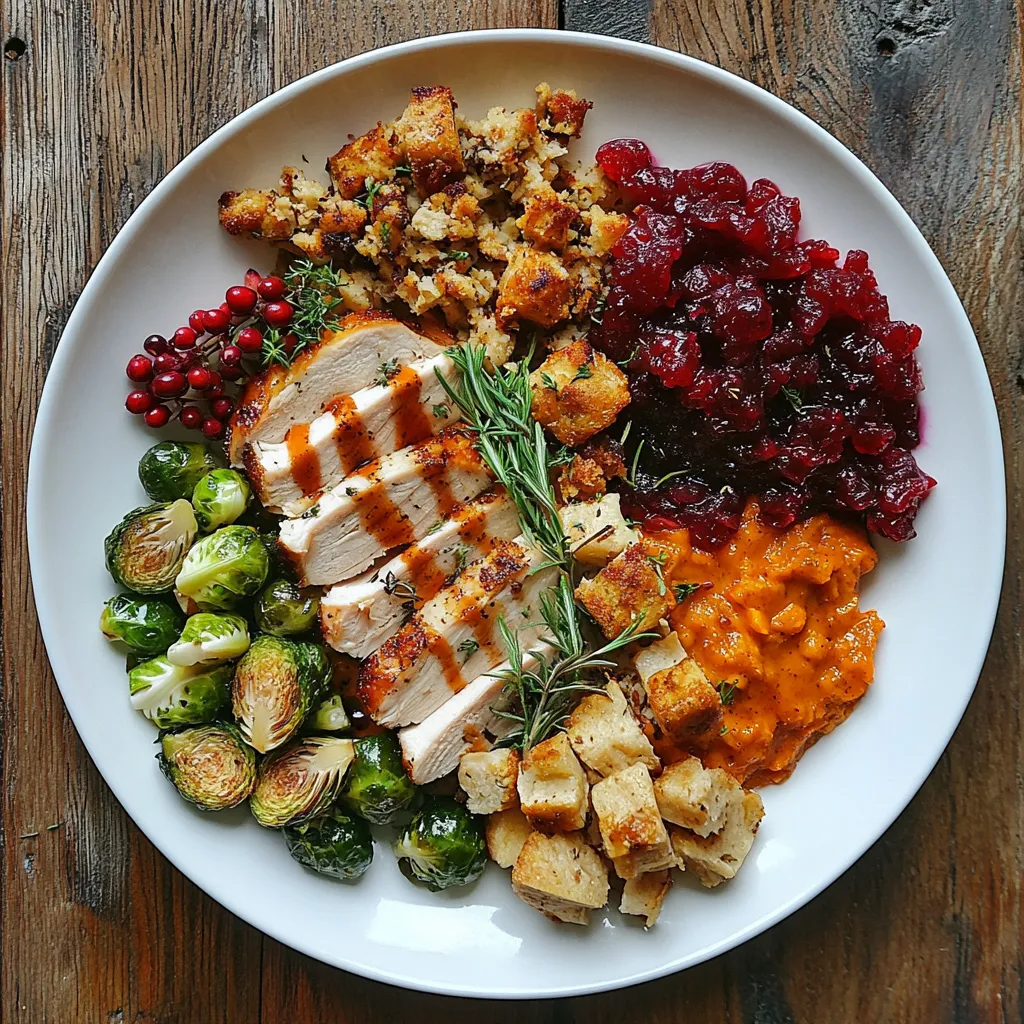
(758, 365)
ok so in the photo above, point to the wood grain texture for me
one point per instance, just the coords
(95, 926)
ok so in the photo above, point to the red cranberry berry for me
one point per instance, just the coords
(195, 321)
(241, 301)
(289, 341)
(200, 378)
(169, 385)
(138, 402)
(155, 344)
(166, 361)
(191, 417)
(278, 314)
(215, 391)
(229, 373)
(212, 428)
(139, 369)
(230, 355)
(216, 321)
(184, 337)
(222, 408)
(158, 416)
(272, 288)
(249, 340)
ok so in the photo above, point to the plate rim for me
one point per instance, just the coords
(47, 410)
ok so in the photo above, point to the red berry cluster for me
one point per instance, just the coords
(185, 376)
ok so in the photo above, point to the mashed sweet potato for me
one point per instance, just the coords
(781, 630)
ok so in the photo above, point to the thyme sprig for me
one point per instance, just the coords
(313, 294)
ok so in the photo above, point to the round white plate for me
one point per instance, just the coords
(172, 256)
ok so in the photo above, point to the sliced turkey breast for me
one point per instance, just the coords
(358, 616)
(388, 503)
(466, 720)
(363, 347)
(375, 421)
(454, 637)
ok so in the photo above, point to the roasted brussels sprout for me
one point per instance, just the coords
(210, 765)
(224, 568)
(337, 844)
(171, 469)
(147, 549)
(443, 845)
(330, 716)
(209, 638)
(145, 625)
(173, 695)
(300, 781)
(377, 786)
(275, 685)
(220, 498)
(283, 608)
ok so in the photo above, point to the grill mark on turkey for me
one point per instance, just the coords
(382, 518)
(304, 461)
(424, 573)
(411, 421)
(479, 619)
(353, 441)
(440, 649)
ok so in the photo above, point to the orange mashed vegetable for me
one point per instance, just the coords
(781, 620)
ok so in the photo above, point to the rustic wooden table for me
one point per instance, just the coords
(99, 99)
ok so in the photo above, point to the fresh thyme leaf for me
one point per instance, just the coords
(393, 585)
(468, 647)
(724, 730)
(461, 557)
(549, 382)
(624, 363)
(792, 396)
(311, 513)
(407, 171)
(658, 564)
(597, 313)
(583, 373)
(365, 199)
(625, 432)
(727, 691)
(455, 255)
(684, 590)
(385, 372)
(435, 526)
(441, 412)
(385, 233)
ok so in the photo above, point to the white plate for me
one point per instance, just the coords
(172, 256)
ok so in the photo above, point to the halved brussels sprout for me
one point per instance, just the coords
(147, 549)
(171, 469)
(377, 786)
(210, 765)
(275, 685)
(224, 568)
(173, 695)
(145, 625)
(443, 845)
(209, 638)
(220, 498)
(339, 845)
(330, 716)
(284, 608)
(300, 781)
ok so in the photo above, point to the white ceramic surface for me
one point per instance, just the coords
(482, 941)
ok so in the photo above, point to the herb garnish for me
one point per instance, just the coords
(441, 412)
(385, 372)
(455, 255)
(393, 585)
(469, 647)
(311, 513)
(684, 590)
(727, 691)
(549, 382)
(793, 397)
(583, 373)
(365, 199)
(313, 294)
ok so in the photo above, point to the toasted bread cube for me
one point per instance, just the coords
(693, 796)
(578, 392)
(643, 895)
(536, 287)
(488, 778)
(546, 220)
(596, 530)
(627, 590)
(587, 476)
(507, 832)
(561, 877)
(553, 787)
(605, 229)
(605, 734)
(561, 111)
(243, 212)
(719, 856)
(374, 155)
(685, 704)
(633, 833)
(657, 657)
(428, 135)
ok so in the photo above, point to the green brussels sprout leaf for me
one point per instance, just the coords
(173, 695)
(329, 716)
(300, 781)
(209, 638)
(275, 685)
(145, 625)
(224, 568)
(220, 498)
(147, 549)
(284, 609)
(338, 844)
(210, 765)
(443, 845)
(377, 786)
(171, 469)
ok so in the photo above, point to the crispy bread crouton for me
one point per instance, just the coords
(374, 155)
(587, 476)
(577, 392)
(633, 833)
(430, 140)
(536, 287)
(605, 229)
(553, 787)
(606, 736)
(488, 778)
(596, 530)
(685, 704)
(657, 657)
(627, 590)
(643, 895)
(718, 857)
(546, 220)
(693, 796)
(507, 832)
(447, 216)
(561, 111)
(561, 877)
(243, 212)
